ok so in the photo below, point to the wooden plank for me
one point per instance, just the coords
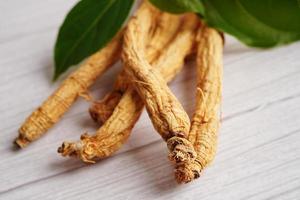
(72, 126)
(254, 162)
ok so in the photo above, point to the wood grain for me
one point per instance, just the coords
(258, 153)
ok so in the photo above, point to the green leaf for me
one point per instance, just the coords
(89, 26)
(260, 23)
(179, 6)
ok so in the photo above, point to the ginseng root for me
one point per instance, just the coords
(206, 119)
(166, 113)
(160, 35)
(49, 113)
(115, 131)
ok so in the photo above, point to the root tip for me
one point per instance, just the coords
(182, 177)
(22, 142)
(67, 149)
(76, 150)
(187, 173)
(94, 114)
(181, 150)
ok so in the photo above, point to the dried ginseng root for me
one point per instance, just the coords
(166, 113)
(76, 84)
(206, 119)
(45, 116)
(115, 131)
(159, 36)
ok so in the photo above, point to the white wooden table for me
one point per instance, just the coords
(259, 145)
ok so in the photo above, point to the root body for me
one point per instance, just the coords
(206, 119)
(49, 113)
(115, 131)
(166, 113)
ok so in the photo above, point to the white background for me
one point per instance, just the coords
(259, 145)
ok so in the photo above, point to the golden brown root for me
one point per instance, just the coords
(77, 83)
(101, 110)
(185, 173)
(111, 135)
(160, 34)
(115, 131)
(166, 113)
(206, 119)
(61, 100)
